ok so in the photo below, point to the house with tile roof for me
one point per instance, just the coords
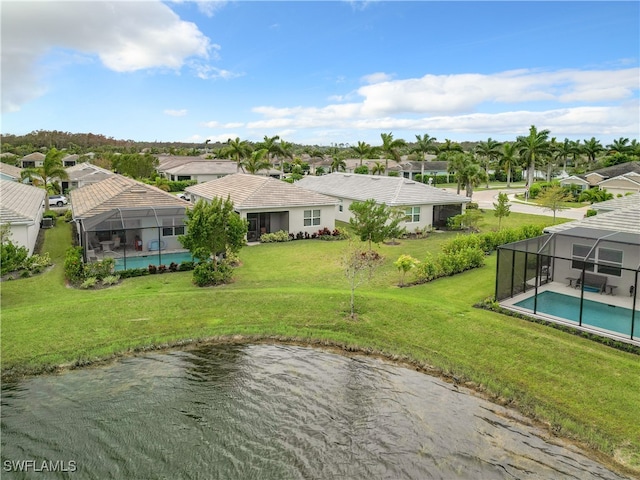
(618, 179)
(199, 169)
(9, 172)
(83, 174)
(582, 273)
(270, 205)
(21, 209)
(424, 205)
(121, 216)
(33, 160)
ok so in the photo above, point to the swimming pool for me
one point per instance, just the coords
(595, 314)
(155, 259)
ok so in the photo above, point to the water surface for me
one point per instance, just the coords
(271, 412)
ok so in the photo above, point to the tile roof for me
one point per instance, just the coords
(119, 192)
(392, 191)
(19, 203)
(203, 167)
(625, 220)
(87, 171)
(10, 170)
(618, 203)
(616, 170)
(35, 156)
(255, 191)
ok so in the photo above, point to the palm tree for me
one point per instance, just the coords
(508, 159)
(362, 150)
(592, 148)
(450, 146)
(286, 150)
(424, 145)
(391, 148)
(43, 176)
(562, 152)
(456, 162)
(257, 161)
(621, 145)
(536, 144)
(469, 173)
(272, 145)
(490, 150)
(338, 164)
(576, 151)
(378, 168)
(237, 150)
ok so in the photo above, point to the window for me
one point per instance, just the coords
(172, 227)
(579, 254)
(610, 262)
(311, 217)
(340, 206)
(412, 215)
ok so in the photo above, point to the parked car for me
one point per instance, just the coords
(57, 200)
(184, 196)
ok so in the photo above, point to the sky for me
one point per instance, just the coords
(321, 73)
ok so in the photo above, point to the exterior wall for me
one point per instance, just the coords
(593, 178)
(619, 187)
(574, 181)
(563, 268)
(26, 235)
(426, 215)
(296, 218)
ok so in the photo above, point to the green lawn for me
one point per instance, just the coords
(297, 291)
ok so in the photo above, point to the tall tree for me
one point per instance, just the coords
(362, 150)
(532, 147)
(257, 161)
(273, 148)
(620, 145)
(338, 164)
(237, 150)
(390, 148)
(425, 144)
(45, 175)
(591, 149)
(508, 159)
(489, 150)
(450, 146)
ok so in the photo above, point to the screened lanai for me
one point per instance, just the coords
(135, 236)
(581, 276)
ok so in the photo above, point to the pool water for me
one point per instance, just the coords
(155, 259)
(596, 314)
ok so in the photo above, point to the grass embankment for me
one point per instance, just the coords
(581, 389)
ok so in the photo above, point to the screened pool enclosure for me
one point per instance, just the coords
(135, 237)
(583, 277)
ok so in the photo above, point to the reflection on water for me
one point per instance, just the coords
(269, 412)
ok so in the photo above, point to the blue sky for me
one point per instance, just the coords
(321, 72)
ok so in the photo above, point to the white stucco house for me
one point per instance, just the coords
(424, 205)
(270, 205)
(21, 209)
(83, 174)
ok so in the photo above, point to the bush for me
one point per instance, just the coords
(89, 283)
(68, 215)
(110, 280)
(361, 169)
(209, 273)
(472, 206)
(186, 266)
(133, 272)
(12, 256)
(591, 213)
(534, 190)
(279, 236)
(393, 173)
(73, 266)
(100, 269)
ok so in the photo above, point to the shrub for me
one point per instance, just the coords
(186, 266)
(89, 282)
(279, 236)
(12, 256)
(133, 272)
(68, 215)
(152, 269)
(427, 270)
(534, 190)
(393, 173)
(111, 280)
(73, 266)
(361, 169)
(173, 267)
(472, 206)
(404, 263)
(209, 273)
(162, 268)
(100, 269)
(591, 213)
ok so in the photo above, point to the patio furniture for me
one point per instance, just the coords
(573, 280)
(106, 245)
(91, 255)
(592, 281)
(611, 289)
(116, 242)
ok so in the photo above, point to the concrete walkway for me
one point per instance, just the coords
(486, 198)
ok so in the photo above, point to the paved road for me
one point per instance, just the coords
(486, 198)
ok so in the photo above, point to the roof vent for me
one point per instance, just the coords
(375, 178)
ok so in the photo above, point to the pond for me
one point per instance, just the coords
(268, 412)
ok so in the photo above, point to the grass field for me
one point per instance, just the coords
(580, 389)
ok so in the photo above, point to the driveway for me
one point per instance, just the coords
(486, 198)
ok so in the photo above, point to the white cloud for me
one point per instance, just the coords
(378, 77)
(568, 102)
(228, 125)
(125, 36)
(176, 113)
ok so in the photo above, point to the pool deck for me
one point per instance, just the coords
(619, 300)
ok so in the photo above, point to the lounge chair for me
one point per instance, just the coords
(116, 242)
(91, 255)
